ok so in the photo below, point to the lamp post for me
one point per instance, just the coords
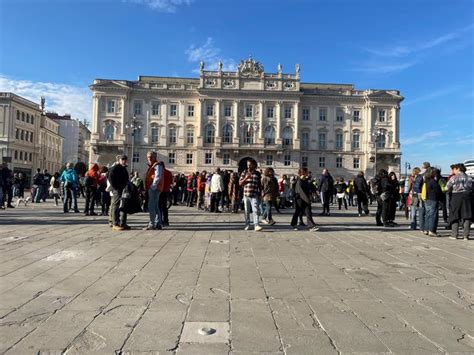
(134, 125)
(376, 132)
(407, 167)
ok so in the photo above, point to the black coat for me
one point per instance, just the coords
(360, 185)
(118, 177)
(303, 190)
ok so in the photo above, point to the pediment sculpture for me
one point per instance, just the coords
(250, 68)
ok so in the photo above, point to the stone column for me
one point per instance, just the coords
(164, 120)
(260, 120)
(199, 117)
(95, 114)
(124, 116)
(236, 119)
(396, 125)
(296, 120)
(278, 111)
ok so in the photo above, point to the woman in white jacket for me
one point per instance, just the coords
(55, 188)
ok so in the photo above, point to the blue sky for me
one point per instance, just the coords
(422, 48)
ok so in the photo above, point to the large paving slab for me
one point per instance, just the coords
(69, 284)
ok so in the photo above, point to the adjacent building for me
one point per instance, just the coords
(223, 118)
(50, 145)
(20, 121)
(76, 134)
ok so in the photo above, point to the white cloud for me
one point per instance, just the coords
(432, 95)
(168, 6)
(398, 57)
(60, 98)
(422, 138)
(210, 55)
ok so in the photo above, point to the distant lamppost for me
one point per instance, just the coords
(407, 167)
(376, 133)
(134, 125)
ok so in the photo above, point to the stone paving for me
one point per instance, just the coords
(69, 284)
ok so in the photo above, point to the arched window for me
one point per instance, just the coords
(270, 135)
(109, 132)
(248, 134)
(155, 133)
(287, 136)
(172, 134)
(381, 139)
(227, 133)
(210, 134)
(356, 139)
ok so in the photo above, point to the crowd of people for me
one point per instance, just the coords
(115, 193)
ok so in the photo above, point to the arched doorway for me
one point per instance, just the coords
(243, 163)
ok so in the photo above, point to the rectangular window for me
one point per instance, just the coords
(288, 111)
(306, 114)
(210, 110)
(111, 106)
(208, 158)
(190, 110)
(339, 115)
(322, 140)
(226, 159)
(32, 120)
(154, 134)
(16, 154)
(269, 160)
(322, 162)
(172, 135)
(227, 110)
(356, 141)
(189, 158)
(287, 160)
(305, 140)
(172, 158)
(155, 109)
(17, 134)
(136, 157)
(304, 162)
(339, 140)
(137, 108)
(382, 116)
(190, 136)
(339, 162)
(356, 163)
(323, 112)
(248, 111)
(173, 110)
(356, 116)
(21, 155)
(31, 137)
(270, 112)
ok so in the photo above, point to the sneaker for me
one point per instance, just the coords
(301, 224)
(118, 228)
(159, 227)
(264, 221)
(452, 237)
(432, 234)
(314, 229)
(272, 222)
(295, 228)
(426, 232)
(422, 231)
(247, 228)
(360, 214)
(148, 228)
(126, 227)
(258, 228)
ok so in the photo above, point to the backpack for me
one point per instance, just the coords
(424, 192)
(417, 184)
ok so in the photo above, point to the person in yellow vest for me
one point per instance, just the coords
(154, 183)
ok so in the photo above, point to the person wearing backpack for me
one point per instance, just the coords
(71, 183)
(362, 192)
(55, 188)
(91, 183)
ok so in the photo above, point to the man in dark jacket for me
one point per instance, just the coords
(118, 178)
(362, 191)
(303, 200)
(384, 198)
(326, 189)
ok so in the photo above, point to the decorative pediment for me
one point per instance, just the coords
(383, 95)
(250, 68)
(110, 84)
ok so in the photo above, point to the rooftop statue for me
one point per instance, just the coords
(250, 68)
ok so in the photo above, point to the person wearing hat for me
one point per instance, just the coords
(118, 177)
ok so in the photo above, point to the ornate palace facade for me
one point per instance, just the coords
(224, 117)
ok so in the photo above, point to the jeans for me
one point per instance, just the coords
(119, 218)
(70, 193)
(40, 191)
(431, 216)
(251, 203)
(164, 207)
(91, 193)
(421, 216)
(154, 207)
(362, 203)
(267, 212)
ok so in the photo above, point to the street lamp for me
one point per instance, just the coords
(134, 125)
(376, 133)
(407, 167)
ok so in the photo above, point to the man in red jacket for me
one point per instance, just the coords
(167, 185)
